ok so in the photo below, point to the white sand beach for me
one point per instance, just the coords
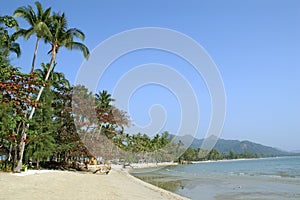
(50, 184)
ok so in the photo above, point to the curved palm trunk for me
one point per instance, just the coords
(24, 135)
(35, 53)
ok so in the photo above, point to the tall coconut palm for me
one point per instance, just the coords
(39, 24)
(60, 36)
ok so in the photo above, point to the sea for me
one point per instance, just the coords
(260, 179)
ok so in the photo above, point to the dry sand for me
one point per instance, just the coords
(48, 184)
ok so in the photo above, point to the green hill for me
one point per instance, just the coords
(225, 146)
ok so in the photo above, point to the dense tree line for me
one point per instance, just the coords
(35, 120)
(192, 154)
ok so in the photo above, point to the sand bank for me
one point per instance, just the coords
(152, 165)
(48, 184)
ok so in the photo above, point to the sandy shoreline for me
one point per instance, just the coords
(54, 184)
(51, 184)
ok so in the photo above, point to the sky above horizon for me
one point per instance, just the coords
(254, 44)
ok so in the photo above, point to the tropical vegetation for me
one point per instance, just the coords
(44, 118)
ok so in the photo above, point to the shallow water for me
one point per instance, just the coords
(268, 178)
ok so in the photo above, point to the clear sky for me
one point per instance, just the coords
(255, 45)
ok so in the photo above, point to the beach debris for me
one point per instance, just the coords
(103, 169)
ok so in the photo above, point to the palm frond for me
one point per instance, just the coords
(39, 9)
(81, 47)
(25, 13)
(76, 33)
(15, 47)
(19, 33)
(46, 15)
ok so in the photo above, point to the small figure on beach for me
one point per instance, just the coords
(94, 161)
(87, 162)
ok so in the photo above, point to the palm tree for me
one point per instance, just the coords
(56, 79)
(104, 99)
(39, 24)
(60, 36)
(103, 104)
(63, 37)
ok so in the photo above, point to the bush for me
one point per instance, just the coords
(6, 166)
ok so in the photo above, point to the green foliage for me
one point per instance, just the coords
(9, 21)
(232, 155)
(40, 146)
(6, 166)
(7, 41)
(61, 36)
(24, 166)
(54, 30)
(39, 24)
(38, 20)
(192, 154)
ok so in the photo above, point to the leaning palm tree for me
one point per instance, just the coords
(60, 36)
(39, 24)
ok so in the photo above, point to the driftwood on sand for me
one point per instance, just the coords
(103, 169)
(76, 166)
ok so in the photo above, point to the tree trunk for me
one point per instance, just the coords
(10, 152)
(21, 148)
(23, 135)
(37, 163)
(15, 154)
(35, 53)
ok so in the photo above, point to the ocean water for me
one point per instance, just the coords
(266, 178)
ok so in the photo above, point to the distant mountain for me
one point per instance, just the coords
(296, 151)
(225, 146)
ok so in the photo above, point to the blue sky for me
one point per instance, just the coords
(255, 45)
